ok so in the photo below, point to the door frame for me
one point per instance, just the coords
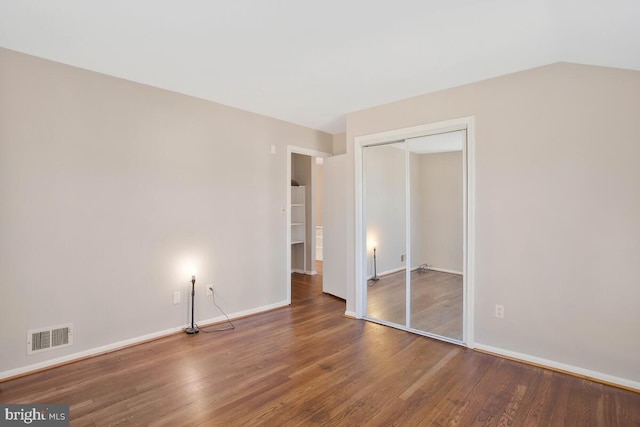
(291, 149)
(462, 123)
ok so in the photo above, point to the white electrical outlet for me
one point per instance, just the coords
(499, 311)
(176, 297)
(209, 290)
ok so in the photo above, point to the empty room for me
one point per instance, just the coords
(320, 213)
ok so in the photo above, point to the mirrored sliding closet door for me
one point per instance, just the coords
(385, 199)
(414, 209)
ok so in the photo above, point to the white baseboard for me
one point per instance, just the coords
(87, 353)
(441, 270)
(350, 314)
(126, 343)
(395, 270)
(307, 272)
(563, 367)
(444, 270)
(385, 273)
(243, 313)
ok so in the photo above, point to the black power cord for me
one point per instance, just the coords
(228, 328)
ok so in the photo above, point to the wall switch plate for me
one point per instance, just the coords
(273, 149)
(499, 311)
(209, 290)
(176, 297)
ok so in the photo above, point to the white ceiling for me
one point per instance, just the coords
(311, 62)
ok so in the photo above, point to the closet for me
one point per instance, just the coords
(414, 213)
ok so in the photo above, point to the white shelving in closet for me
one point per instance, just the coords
(298, 229)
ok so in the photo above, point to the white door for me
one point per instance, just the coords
(334, 205)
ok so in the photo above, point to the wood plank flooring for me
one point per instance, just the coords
(436, 301)
(309, 365)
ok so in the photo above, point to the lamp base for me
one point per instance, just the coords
(192, 330)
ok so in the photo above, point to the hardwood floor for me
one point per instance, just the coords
(309, 365)
(436, 301)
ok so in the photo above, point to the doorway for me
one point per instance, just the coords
(304, 195)
(415, 229)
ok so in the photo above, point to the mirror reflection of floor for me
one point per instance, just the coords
(436, 301)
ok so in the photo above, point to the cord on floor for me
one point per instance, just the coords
(228, 328)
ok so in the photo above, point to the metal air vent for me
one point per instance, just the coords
(49, 338)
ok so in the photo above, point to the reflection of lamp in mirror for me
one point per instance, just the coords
(375, 277)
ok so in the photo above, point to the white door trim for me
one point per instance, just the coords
(466, 123)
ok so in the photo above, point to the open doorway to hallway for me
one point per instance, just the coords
(305, 213)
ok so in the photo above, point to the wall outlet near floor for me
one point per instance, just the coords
(403, 257)
(210, 290)
(176, 297)
(499, 311)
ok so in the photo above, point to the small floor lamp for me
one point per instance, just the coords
(194, 328)
(375, 277)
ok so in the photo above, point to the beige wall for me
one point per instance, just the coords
(557, 208)
(110, 189)
(436, 208)
(439, 223)
(340, 143)
(385, 203)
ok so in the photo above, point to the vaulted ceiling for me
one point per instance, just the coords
(311, 62)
